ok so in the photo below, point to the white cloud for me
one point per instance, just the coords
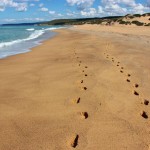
(19, 6)
(22, 20)
(2, 8)
(9, 20)
(41, 5)
(129, 3)
(100, 10)
(32, 5)
(59, 15)
(81, 4)
(52, 12)
(115, 7)
(92, 12)
(121, 7)
(44, 9)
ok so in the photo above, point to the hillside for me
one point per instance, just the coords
(81, 21)
(136, 19)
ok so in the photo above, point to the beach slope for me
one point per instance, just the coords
(86, 88)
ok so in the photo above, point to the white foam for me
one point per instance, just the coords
(30, 29)
(34, 35)
(53, 28)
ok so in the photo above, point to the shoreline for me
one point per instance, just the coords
(30, 49)
(77, 89)
(23, 45)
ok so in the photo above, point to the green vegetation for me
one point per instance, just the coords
(125, 22)
(138, 23)
(137, 15)
(147, 14)
(105, 20)
(81, 21)
(147, 24)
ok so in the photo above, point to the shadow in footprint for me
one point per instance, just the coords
(74, 141)
(145, 102)
(128, 80)
(84, 115)
(81, 81)
(129, 75)
(76, 101)
(121, 71)
(144, 114)
(86, 75)
(136, 85)
(84, 88)
(135, 93)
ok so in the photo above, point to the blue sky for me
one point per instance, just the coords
(12, 11)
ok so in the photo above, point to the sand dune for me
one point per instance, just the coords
(87, 88)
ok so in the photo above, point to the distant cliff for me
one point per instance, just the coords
(130, 19)
(80, 21)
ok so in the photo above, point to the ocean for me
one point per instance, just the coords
(20, 39)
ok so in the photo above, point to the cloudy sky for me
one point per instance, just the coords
(12, 11)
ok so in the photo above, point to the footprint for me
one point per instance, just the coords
(121, 71)
(129, 75)
(122, 67)
(136, 85)
(144, 114)
(74, 141)
(84, 88)
(117, 65)
(81, 81)
(79, 64)
(82, 70)
(76, 100)
(136, 93)
(145, 102)
(86, 75)
(80, 61)
(118, 62)
(84, 115)
(128, 80)
(86, 66)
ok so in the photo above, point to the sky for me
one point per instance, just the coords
(17, 11)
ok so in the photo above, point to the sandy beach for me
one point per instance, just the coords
(86, 89)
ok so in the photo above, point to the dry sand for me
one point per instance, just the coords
(84, 89)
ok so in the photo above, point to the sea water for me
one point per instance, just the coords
(20, 39)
